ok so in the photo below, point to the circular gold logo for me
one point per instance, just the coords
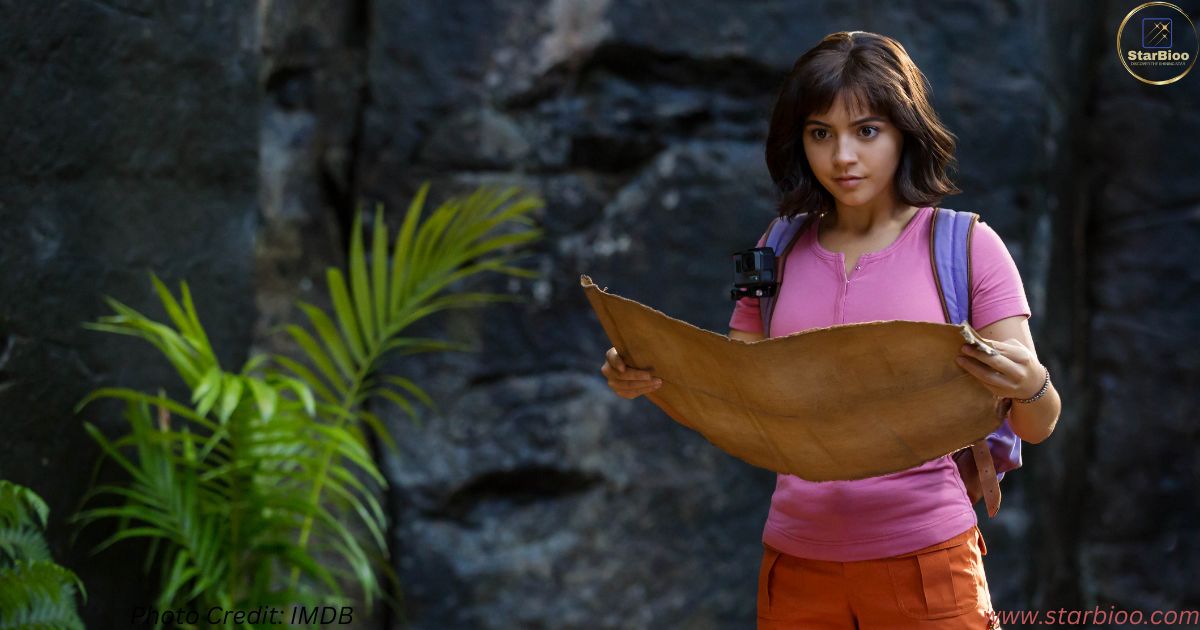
(1157, 43)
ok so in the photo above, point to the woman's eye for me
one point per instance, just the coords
(820, 134)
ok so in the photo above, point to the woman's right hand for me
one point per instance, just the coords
(626, 381)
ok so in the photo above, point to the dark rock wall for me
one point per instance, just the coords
(312, 64)
(130, 144)
(228, 144)
(1138, 532)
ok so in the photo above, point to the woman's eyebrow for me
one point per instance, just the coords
(813, 121)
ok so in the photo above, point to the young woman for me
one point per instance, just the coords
(855, 142)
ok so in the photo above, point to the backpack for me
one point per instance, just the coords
(983, 464)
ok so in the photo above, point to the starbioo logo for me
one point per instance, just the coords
(1157, 43)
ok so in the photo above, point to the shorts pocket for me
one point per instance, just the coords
(765, 570)
(937, 584)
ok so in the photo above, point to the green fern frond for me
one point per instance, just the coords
(20, 506)
(34, 592)
(22, 543)
(39, 595)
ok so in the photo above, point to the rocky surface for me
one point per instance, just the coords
(130, 144)
(228, 144)
(1136, 516)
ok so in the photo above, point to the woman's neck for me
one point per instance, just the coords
(864, 221)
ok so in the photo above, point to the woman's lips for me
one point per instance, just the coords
(849, 182)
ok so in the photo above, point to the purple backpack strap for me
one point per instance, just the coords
(951, 259)
(779, 236)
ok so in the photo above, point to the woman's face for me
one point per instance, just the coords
(840, 143)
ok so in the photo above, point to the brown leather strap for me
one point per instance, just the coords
(987, 477)
(978, 471)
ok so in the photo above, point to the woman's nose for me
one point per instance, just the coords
(844, 153)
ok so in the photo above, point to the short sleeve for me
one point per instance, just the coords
(746, 315)
(996, 288)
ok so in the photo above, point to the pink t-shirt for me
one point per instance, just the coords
(904, 511)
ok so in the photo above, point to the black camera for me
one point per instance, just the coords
(753, 273)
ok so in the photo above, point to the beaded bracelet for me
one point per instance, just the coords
(1042, 392)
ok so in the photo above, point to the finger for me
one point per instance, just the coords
(984, 347)
(644, 389)
(624, 371)
(632, 375)
(634, 390)
(623, 384)
(615, 360)
(628, 375)
(983, 371)
(976, 365)
(999, 361)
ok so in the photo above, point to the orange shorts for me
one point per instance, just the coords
(940, 587)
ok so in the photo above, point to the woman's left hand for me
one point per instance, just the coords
(1012, 372)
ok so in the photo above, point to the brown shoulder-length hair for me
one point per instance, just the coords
(875, 74)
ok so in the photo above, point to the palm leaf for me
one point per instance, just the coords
(359, 284)
(345, 313)
(261, 472)
(331, 338)
(319, 358)
(379, 280)
(454, 243)
(402, 252)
